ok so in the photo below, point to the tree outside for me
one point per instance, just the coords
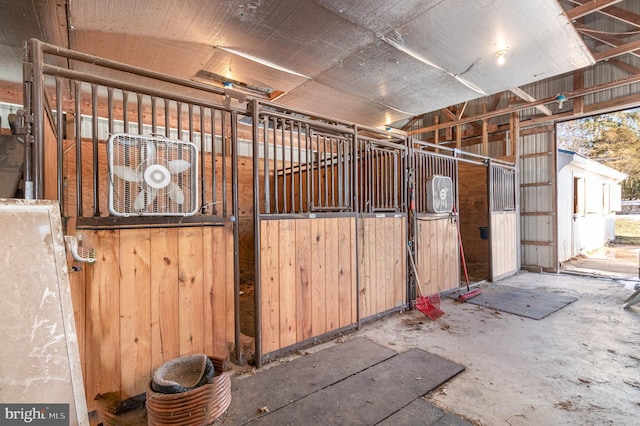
(611, 139)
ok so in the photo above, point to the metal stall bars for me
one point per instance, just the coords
(100, 106)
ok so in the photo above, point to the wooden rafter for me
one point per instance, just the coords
(615, 12)
(607, 39)
(617, 51)
(589, 7)
(624, 66)
(527, 97)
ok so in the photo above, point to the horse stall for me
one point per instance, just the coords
(147, 183)
(332, 228)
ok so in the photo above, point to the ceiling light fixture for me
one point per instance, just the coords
(501, 56)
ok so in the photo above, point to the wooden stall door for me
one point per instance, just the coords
(150, 296)
(437, 253)
(503, 221)
(503, 244)
(382, 263)
(307, 279)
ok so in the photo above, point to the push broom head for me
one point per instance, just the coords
(470, 294)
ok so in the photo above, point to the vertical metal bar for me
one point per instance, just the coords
(179, 119)
(312, 161)
(154, 117)
(78, 138)
(309, 165)
(265, 150)
(491, 206)
(275, 164)
(340, 165)
(223, 134)
(27, 99)
(214, 167)
(167, 120)
(281, 122)
(333, 165)
(325, 171)
(300, 206)
(190, 117)
(396, 170)
(256, 226)
(125, 110)
(357, 230)
(203, 168)
(291, 167)
(38, 122)
(236, 239)
(94, 153)
(110, 126)
(59, 146)
(140, 115)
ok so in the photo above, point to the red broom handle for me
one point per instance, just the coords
(464, 262)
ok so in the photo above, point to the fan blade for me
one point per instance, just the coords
(178, 166)
(149, 153)
(175, 193)
(141, 202)
(127, 173)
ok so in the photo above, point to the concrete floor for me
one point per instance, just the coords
(580, 365)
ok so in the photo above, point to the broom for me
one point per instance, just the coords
(470, 293)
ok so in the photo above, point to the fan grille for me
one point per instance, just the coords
(152, 176)
(439, 194)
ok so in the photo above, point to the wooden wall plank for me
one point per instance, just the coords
(382, 257)
(103, 361)
(318, 278)
(390, 252)
(209, 290)
(269, 285)
(303, 278)
(288, 268)
(135, 313)
(346, 274)
(399, 262)
(229, 285)
(164, 296)
(332, 271)
(190, 274)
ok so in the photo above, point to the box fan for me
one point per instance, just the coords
(152, 176)
(439, 194)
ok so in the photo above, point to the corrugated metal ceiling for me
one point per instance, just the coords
(371, 62)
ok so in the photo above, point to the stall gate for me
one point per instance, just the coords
(331, 226)
(503, 221)
(435, 235)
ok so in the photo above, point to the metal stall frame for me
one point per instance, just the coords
(37, 110)
(345, 203)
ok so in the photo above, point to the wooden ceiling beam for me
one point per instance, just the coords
(589, 7)
(624, 66)
(617, 51)
(569, 95)
(607, 39)
(616, 12)
(527, 97)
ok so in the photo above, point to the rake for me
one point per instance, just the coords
(428, 305)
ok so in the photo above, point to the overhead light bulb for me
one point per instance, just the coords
(501, 56)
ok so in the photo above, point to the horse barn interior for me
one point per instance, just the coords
(291, 170)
